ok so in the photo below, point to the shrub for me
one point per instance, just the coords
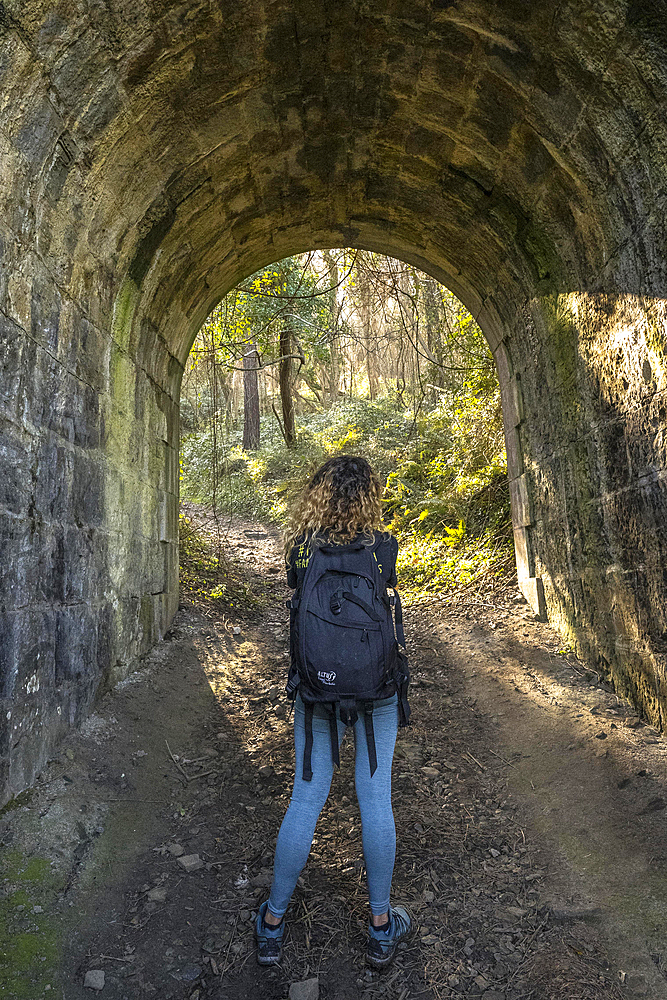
(446, 495)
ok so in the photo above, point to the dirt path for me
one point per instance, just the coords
(529, 808)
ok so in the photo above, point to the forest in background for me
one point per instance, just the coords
(347, 351)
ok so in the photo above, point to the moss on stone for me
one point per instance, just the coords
(17, 801)
(561, 344)
(30, 942)
(123, 313)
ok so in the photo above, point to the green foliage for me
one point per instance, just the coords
(446, 496)
(433, 432)
(289, 295)
(206, 576)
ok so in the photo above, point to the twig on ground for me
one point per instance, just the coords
(509, 763)
(176, 762)
(476, 761)
(229, 947)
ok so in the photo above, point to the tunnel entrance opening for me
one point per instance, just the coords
(346, 351)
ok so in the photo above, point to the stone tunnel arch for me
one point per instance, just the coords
(155, 153)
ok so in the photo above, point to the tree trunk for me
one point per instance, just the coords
(285, 372)
(366, 329)
(334, 369)
(250, 399)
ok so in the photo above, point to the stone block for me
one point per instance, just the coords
(54, 479)
(16, 480)
(512, 402)
(12, 342)
(76, 648)
(7, 657)
(11, 349)
(171, 566)
(168, 517)
(612, 456)
(6, 711)
(87, 491)
(106, 639)
(36, 131)
(83, 557)
(5, 786)
(46, 304)
(68, 484)
(27, 657)
(170, 469)
(38, 564)
(75, 412)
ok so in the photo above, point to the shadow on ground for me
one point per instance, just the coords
(148, 842)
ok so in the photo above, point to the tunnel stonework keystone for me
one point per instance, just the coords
(155, 154)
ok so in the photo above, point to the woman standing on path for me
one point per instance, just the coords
(339, 513)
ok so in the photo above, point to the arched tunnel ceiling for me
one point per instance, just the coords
(496, 144)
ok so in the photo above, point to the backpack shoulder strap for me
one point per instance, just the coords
(370, 737)
(308, 749)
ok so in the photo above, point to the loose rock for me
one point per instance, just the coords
(191, 862)
(94, 979)
(261, 881)
(189, 973)
(309, 989)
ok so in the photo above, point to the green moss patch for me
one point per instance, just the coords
(30, 932)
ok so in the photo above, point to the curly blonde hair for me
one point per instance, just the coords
(340, 502)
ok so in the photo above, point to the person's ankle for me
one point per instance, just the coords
(272, 921)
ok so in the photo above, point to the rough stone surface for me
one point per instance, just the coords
(191, 862)
(94, 979)
(309, 989)
(152, 158)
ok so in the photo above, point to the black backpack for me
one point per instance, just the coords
(344, 646)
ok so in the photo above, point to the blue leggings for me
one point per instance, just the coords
(308, 798)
